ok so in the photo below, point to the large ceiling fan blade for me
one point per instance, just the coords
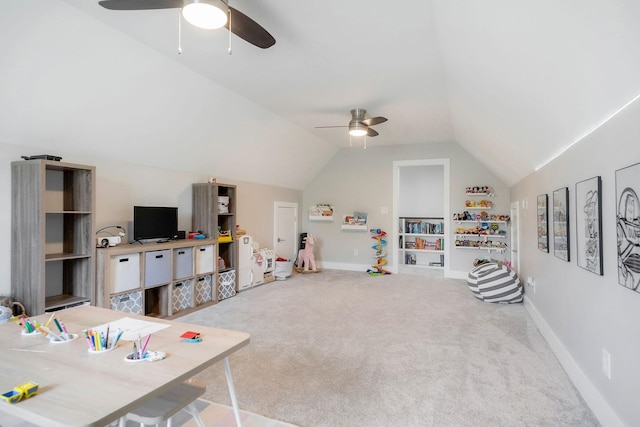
(371, 132)
(140, 4)
(373, 121)
(327, 127)
(248, 29)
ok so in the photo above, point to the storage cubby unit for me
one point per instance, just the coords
(421, 241)
(156, 279)
(214, 214)
(52, 234)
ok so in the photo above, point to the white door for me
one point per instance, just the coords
(286, 229)
(245, 262)
(515, 238)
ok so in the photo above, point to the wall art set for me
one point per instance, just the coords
(588, 228)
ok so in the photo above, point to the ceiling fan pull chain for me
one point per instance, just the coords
(179, 32)
(365, 142)
(229, 49)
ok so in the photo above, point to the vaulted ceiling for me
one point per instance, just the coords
(512, 82)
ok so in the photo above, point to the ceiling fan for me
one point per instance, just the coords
(359, 126)
(208, 14)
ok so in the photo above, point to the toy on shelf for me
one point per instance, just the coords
(483, 190)
(376, 269)
(306, 258)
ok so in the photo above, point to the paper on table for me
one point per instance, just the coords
(132, 328)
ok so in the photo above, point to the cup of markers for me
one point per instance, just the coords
(102, 341)
(61, 335)
(141, 354)
(29, 327)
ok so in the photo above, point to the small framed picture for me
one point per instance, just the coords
(628, 226)
(542, 212)
(589, 225)
(561, 223)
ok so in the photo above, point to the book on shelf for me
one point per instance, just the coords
(410, 259)
(423, 227)
(424, 244)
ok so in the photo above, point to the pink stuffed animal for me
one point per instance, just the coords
(305, 256)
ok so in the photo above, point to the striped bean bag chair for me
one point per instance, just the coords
(495, 282)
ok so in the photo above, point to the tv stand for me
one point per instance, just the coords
(163, 279)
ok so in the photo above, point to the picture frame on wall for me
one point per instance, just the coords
(561, 223)
(542, 214)
(589, 225)
(628, 226)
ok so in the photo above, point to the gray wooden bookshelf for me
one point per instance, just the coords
(52, 234)
(214, 208)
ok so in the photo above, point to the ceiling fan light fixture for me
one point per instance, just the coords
(357, 129)
(207, 14)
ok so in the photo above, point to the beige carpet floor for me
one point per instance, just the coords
(346, 349)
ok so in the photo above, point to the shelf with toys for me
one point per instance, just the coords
(321, 212)
(480, 231)
(480, 191)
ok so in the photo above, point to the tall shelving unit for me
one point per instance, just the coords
(214, 211)
(421, 242)
(480, 230)
(52, 234)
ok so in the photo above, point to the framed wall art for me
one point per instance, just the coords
(542, 212)
(561, 223)
(628, 226)
(589, 225)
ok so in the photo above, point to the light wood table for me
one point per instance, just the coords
(79, 388)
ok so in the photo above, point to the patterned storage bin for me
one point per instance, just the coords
(226, 284)
(128, 303)
(181, 295)
(204, 289)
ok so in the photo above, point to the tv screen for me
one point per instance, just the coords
(155, 222)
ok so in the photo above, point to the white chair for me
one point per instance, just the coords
(165, 406)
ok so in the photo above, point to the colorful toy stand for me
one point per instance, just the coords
(376, 269)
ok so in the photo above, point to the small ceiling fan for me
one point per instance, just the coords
(359, 126)
(208, 14)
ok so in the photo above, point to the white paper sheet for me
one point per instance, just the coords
(132, 328)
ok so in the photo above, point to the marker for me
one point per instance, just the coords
(49, 331)
(144, 346)
(27, 326)
(58, 324)
(65, 334)
(49, 321)
(119, 333)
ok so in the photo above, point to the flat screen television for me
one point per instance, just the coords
(155, 223)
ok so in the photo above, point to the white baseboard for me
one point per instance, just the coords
(462, 275)
(591, 395)
(343, 266)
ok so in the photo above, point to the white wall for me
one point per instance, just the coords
(422, 191)
(72, 84)
(582, 313)
(362, 180)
